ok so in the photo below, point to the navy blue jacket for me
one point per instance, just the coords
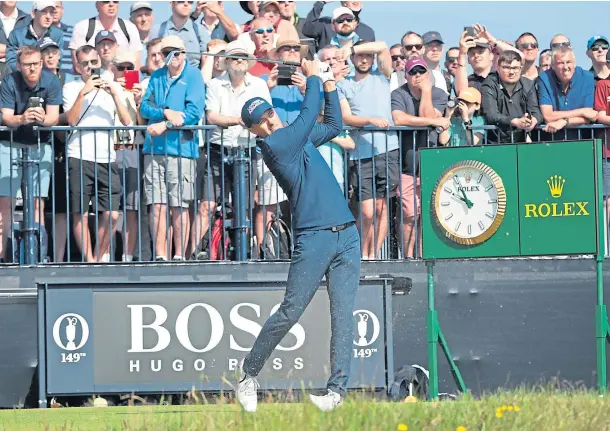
(23, 36)
(23, 19)
(316, 199)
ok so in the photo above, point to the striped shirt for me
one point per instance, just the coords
(66, 54)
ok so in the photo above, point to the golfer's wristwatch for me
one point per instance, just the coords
(168, 124)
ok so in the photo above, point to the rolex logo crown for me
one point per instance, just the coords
(556, 183)
(468, 177)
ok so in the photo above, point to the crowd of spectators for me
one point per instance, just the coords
(164, 188)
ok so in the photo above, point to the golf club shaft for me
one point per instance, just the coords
(262, 60)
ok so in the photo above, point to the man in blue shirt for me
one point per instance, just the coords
(566, 94)
(31, 96)
(326, 239)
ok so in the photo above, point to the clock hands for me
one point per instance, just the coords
(468, 202)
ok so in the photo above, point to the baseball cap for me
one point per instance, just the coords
(172, 42)
(140, 5)
(43, 4)
(470, 95)
(253, 111)
(594, 39)
(416, 61)
(608, 56)
(123, 57)
(432, 36)
(104, 35)
(47, 42)
(340, 11)
(264, 4)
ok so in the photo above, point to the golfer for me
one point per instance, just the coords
(326, 239)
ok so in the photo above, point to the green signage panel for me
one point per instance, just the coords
(469, 202)
(557, 189)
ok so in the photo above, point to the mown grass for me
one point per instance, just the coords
(520, 410)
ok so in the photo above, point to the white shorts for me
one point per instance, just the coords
(269, 191)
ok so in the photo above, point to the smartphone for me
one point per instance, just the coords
(470, 31)
(285, 72)
(96, 71)
(131, 77)
(35, 102)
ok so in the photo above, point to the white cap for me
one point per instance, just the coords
(43, 4)
(340, 11)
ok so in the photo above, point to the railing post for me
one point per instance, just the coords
(240, 163)
(30, 245)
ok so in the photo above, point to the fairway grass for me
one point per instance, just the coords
(520, 411)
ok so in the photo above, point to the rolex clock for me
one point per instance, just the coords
(469, 202)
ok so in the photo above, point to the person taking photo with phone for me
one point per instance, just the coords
(30, 96)
(93, 174)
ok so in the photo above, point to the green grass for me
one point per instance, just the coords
(536, 411)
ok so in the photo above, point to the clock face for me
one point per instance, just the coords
(469, 202)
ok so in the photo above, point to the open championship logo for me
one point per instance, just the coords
(364, 318)
(71, 322)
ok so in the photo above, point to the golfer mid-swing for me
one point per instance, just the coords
(326, 239)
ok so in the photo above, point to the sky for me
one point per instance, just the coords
(579, 20)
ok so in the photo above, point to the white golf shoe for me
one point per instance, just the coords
(246, 391)
(327, 402)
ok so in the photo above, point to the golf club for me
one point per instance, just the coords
(262, 60)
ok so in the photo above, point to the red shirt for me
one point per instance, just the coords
(602, 103)
(260, 69)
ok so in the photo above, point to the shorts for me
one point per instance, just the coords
(130, 181)
(411, 202)
(169, 180)
(379, 184)
(269, 191)
(215, 177)
(95, 183)
(11, 172)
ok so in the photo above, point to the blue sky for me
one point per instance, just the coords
(390, 20)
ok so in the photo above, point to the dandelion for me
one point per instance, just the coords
(402, 427)
(460, 428)
(504, 408)
(517, 409)
(499, 414)
(510, 408)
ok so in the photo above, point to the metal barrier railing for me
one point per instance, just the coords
(93, 195)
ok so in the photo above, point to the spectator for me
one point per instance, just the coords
(451, 66)
(528, 45)
(66, 55)
(170, 156)
(125, 32)
(322, 29)
(544, 61)
(270, 10)
(106, 47)
(225, 97)
(333, 153)
(93, 176)
(51, 58)
(364, 100)
(412, 46)
(263, 36)
(416, 104)
(344, 23)
(465, 128)
(511, 102)
(142, 16)
(560, 41)
(566, 93)
(398, 59)
(215, 21)
(10, 18)
(154, 58)
(288, 13)
(602, 106)
(433, 54)
(193, 35)
(597, 49)
(213, 66)
(41, 27)
(480, 57)
(331, 56)
(17, 89)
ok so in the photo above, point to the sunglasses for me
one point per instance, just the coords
(264, 30)
(342, 20)
(599, 47)
(287, 48)
(561, 44)
(121, 68)
(86, 63)
(412, 47)
(451, 60)
(528, 45)
(110, 2)
(167, 52)
(238, 57)
(417, 71)
(398, 57)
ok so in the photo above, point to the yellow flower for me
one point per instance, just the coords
(460, 428)
(517, 408)
(504, 408)
(510, 408)
(402, 427)
(498, 414)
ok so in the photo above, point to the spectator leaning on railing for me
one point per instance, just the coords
(93, 102)
(30, 96)
(40, 27)
(175, 97)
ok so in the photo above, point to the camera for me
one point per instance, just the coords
(285, 72)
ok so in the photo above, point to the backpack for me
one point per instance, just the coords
(410, 380)
(91, 29)
(276, 244)
(217, 250)
(163, 29)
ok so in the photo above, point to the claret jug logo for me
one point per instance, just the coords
(556, 184)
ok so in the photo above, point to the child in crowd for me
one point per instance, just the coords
(465, 119)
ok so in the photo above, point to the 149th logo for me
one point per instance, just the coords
(70, 333)
(367, 328)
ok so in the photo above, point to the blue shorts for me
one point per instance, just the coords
(11, 171)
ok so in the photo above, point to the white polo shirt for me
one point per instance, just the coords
(97, 110)
(80, 33)
(221, 98)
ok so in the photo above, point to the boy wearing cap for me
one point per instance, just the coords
(106, 47)
(326, 239)
(465, 125)
(41, 26)
(597, 49)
